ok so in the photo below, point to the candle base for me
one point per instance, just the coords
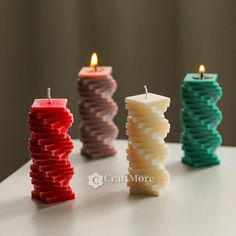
(95, 155)
(199, 164)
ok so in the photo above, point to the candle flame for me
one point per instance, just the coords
(202, 69)
(94, 60)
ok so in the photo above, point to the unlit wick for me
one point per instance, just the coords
(146, 91)
(49, 95)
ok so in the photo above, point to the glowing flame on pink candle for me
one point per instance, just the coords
(94, 61)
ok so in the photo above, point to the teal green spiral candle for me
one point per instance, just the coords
(200, 118)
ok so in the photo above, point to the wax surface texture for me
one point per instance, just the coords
(97, 109)
(147, 152)
(49, 148)
(200, 117)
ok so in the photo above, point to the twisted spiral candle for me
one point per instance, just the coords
(200, 117)
(147, 152)
(96, 112)
(50, 146)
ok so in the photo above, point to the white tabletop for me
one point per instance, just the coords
(197, 202)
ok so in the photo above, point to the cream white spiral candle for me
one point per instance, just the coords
(147, 152)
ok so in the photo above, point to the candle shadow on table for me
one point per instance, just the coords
(106, 198)
(52, 217)
(87, 159)
(177, 168)
(45, 213)
(105, 202)
(82, 208)
(138, 197)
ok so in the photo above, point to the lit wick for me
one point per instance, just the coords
(49, 96)
(201, 71)
(94, 61)
(146, 91)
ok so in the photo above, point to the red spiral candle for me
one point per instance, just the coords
(49, 147)
(97, 110)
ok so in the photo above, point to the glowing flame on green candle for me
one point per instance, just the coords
(201, 71)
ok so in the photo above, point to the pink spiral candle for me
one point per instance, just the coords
(96, 111)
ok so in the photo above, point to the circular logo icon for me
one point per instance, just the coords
(95, 180)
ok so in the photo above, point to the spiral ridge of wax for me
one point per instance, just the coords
(200, 118)
(147, 152)
(96, 112)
